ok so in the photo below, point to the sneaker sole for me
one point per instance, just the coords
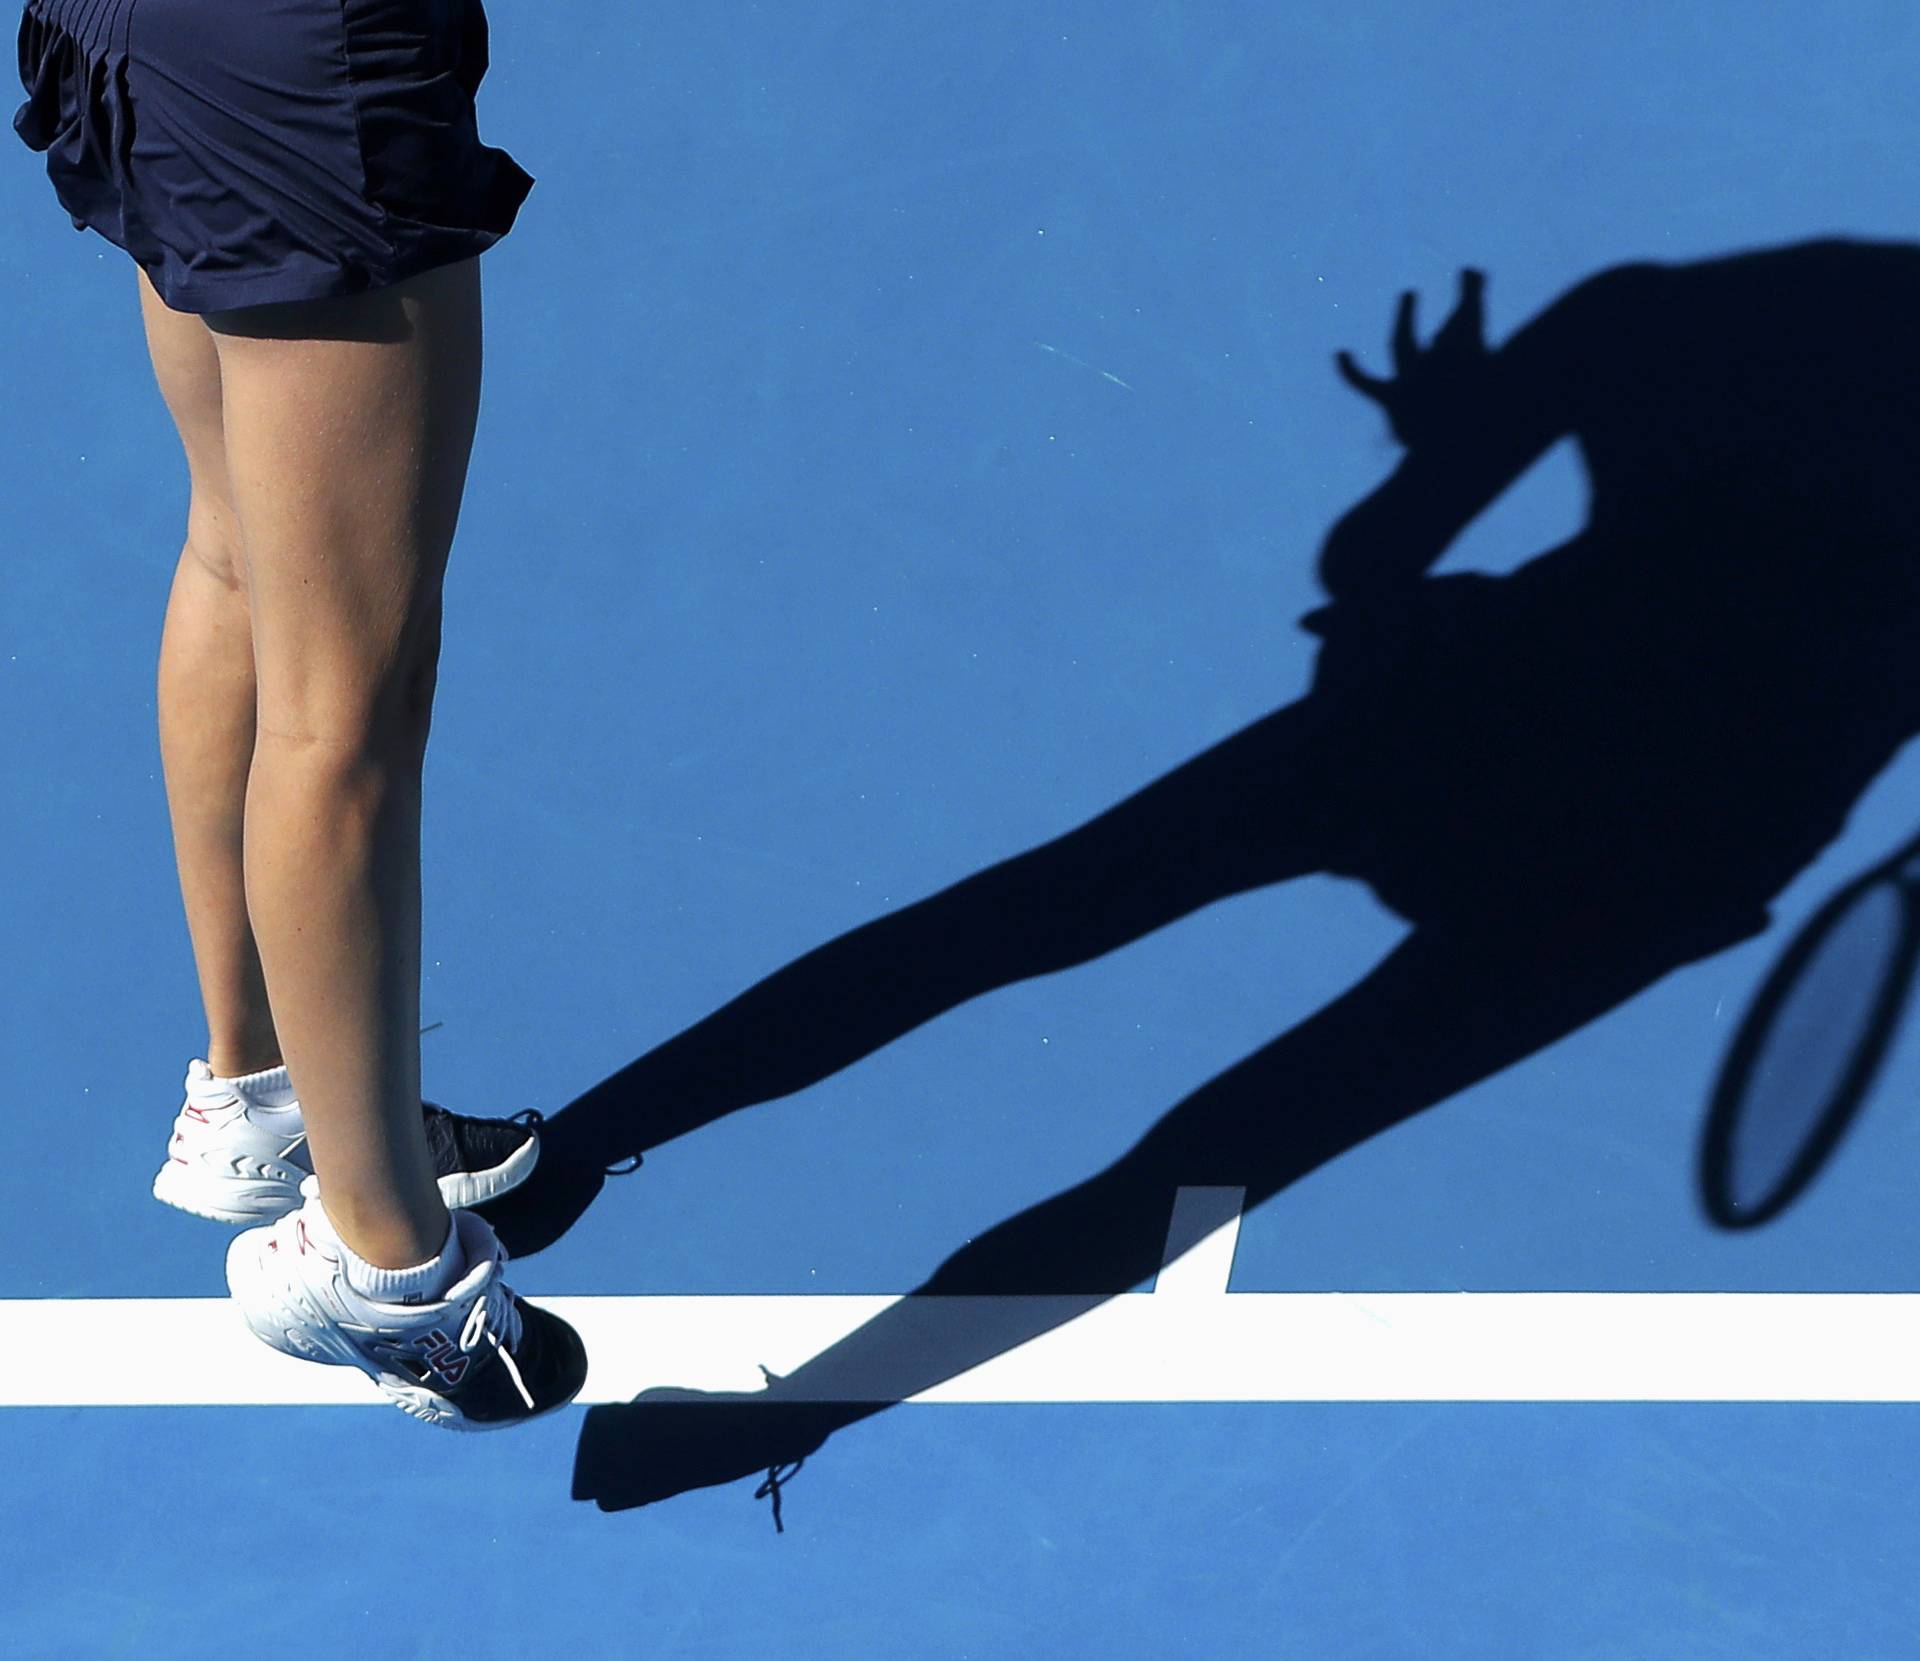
(284, 1330)
(470, 1188)
(422, 1404)
(242, 1200)
(223, 1199)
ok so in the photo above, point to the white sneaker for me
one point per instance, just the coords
(480, 1358)
(230, 1160)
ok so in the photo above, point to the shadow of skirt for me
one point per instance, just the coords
(247, 151)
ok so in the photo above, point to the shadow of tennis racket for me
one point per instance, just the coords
(1812, 1044)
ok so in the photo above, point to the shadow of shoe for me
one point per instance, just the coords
(566, 1180)
(668, 1441)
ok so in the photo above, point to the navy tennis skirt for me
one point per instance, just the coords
(245, 151)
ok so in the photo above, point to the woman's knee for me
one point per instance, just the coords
(213, 545)
(419, 680)
(328, 688)
(348, 446)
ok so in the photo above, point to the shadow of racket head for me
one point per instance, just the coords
(1811, 1045)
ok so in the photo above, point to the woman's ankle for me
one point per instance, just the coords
(242, 1060)
(387, 1236)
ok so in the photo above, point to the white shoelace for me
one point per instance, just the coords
(481, 1322)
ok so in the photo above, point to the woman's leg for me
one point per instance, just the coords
(348, 423)
(205, 694)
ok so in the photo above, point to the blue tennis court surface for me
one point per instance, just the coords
(910, 433)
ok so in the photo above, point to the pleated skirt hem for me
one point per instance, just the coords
(248, 152)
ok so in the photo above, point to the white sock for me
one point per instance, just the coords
(271, 1091)
(426, 1282)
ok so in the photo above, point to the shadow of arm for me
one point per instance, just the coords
(1486, 417)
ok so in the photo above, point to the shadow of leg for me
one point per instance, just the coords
(1443, 1010)
(1253, 809)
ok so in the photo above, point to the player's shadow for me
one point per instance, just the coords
(1570, 780)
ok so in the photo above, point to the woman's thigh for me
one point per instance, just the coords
(348, 423)
(187, 370)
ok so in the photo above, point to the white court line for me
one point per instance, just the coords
(1189, 1340)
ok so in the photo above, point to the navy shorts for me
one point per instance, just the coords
(245, 151)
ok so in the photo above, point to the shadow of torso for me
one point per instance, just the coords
(1661, 721)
